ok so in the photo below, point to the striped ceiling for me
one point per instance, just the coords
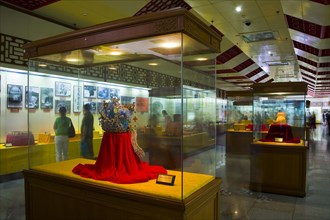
(298, 50)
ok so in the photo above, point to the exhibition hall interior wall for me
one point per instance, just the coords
(46, 93)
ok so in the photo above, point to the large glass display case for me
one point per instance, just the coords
(158, 62)
(278, 156)
(280, 105)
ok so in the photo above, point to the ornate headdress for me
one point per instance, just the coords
(115, 117)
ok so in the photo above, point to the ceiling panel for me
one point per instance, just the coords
(301, 28)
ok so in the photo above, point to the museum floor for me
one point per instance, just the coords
(236, 202)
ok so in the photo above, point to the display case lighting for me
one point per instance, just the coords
(169, 45)
(112, 67)
(73, 57)
(115, 53)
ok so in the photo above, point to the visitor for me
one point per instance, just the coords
(61, 128)
(87, 128)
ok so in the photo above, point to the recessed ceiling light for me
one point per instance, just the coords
(42, 65)
(201, 58)
(238, 8)
(73, 60)
(115, 53)
(169, 45)
(153, 64)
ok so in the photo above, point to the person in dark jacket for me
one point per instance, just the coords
(87, 128)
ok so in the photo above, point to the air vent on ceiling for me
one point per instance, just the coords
(277, 63)
(258, 36)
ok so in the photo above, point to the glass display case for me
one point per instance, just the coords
(280, 152)
(278, 106)
(239, 119)
(197, 133)
(158, 62)
(239, 109)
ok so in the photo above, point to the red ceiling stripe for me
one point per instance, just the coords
(228, 55)
(323, 73)
(324, 65)
(323, 79)
(244, 65)
(325, 52)
(253, 73)
(308, 61)
(308, 70)
(306, 48)
(311, 77)
(307, 27)
(309, 81)
(243, 83)
(160, 5)
(324, 2)
(232, 77)
(30, 5)
(226, 71)
(261, 78)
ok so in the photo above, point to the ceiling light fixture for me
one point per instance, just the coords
(115, 53)
(169, 45)
(73, 57)
(112, 67)
(201, 58)
(153, 64)
(238, 9)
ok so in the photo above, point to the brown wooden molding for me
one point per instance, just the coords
(152, 24)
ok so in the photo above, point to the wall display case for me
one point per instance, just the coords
(158, 53)
(278, 160)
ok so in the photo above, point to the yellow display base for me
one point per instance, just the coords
(192, 181)
(16, 158)
(302, 144)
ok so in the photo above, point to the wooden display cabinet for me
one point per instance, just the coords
(278, 168)
(53, 192)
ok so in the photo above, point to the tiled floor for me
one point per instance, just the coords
(237, 202)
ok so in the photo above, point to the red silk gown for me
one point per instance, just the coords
(118, 163)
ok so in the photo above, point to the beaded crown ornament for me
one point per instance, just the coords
(115, 117)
